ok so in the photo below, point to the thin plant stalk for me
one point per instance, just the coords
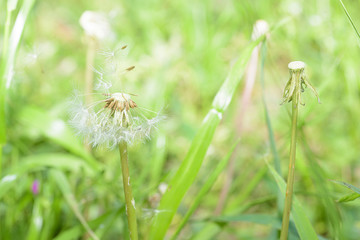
(129, 200)
(290, 179)
(2, 82)
(89, 74)
(260, 27)
(292, 93)
(10, 46)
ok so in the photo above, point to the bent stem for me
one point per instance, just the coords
(89, 76)
(129, 200)
(290, 180)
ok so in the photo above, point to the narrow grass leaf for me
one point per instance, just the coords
(78, 230)
(56, 130)
(349, 186)
(205, 189)
(14, 40)
(190, 166)
(36, 222)
(7, 182)
(64, 187)
(323, 189)
(302, 223)
(350, 197)
(264, 219)
(39, 162)
(350, 19)
(208, 232)
(9, 52)
(61, 161)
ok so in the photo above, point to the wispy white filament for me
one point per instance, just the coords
(100, 127)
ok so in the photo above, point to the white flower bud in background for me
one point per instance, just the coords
(95, 25)
(11, 5)
(162, 188)
(260, 27)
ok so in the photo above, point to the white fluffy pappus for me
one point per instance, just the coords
(113, 119)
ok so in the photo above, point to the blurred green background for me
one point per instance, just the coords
(182, 51)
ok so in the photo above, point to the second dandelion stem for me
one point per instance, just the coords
(129, 200)
(290, 180)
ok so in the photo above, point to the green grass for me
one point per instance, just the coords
(183, 52)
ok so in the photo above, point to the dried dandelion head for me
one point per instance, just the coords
(113, 119)
(297, 83)
(115, 116)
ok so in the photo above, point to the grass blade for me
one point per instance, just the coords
(349, 186)
(10, 47)
(14, 40)
(253, 218)
(56, 130)
(64, 187)
(39, 162)
(350, 197)
(206, 187)
(77, 231)
(350, 19)
(190, 166)
(302, 223)
(36, 222)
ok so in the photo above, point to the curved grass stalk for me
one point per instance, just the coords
(205, 189)
(190, 166)
(10, 46)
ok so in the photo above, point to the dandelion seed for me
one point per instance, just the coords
(133, 203)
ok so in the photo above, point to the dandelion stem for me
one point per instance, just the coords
(129, 200)
(89, 74)
(290, 180)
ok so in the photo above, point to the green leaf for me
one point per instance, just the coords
(302, 223)
(64, 187)
(351, 187)
(56, 130)
(11, 46)
(61, 161)
(36, 222)
(206, 187)
(101, 222)
(190, 166)
(7, 182)
(264, 219)
(42, 161)
(350, 197)
(349, 17)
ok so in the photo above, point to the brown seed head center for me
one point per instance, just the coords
(119, 102)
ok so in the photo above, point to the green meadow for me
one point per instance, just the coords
(179, 120)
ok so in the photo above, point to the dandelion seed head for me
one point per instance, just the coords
(113, 119)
